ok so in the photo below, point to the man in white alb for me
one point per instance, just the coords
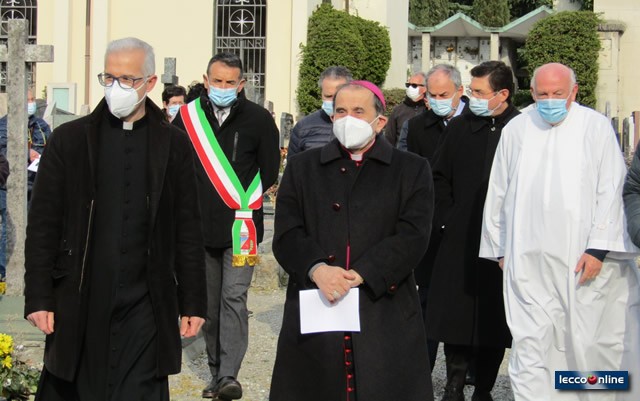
(554, 219)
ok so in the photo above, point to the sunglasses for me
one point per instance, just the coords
(412, 85)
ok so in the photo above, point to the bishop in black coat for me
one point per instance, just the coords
(383, 210)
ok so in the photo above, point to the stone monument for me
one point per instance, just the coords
(16, 54)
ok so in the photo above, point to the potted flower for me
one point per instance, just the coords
(17, 380)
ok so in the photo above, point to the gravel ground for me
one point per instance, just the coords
(255, 374)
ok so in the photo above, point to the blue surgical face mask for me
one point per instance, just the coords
(222, 97)
(442, 107)
(173, 109)
(480, 107)
(552, 110)
(31, 108)
(327, 107)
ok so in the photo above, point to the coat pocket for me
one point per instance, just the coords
(62, 267)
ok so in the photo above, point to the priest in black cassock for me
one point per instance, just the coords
(114, 255)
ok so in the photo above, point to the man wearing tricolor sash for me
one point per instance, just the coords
(236, 143)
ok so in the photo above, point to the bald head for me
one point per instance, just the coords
(554, 71)
(554, 89)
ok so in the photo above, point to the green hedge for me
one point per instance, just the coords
(393, 97)
(570, 38)
(428, 12)
(522, 98)
(493, 13)
(337, 38)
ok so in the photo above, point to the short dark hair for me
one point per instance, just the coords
(230, 59)
(500, 76)
(196, 89)
(171, 91)
(335, 72)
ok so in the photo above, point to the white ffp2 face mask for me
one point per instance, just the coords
(353, 133)
(413, 93)
(122, 102)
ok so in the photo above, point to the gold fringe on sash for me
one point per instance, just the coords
(242, 260)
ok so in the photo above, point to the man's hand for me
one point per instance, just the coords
(190, 325)
(501, 263)
(590, 267)
(42, 320)
(33, 155)
(356, 281)
(334, 281)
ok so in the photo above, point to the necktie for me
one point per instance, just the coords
(220, 114)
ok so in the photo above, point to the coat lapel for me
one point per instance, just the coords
(93, 130)
(158, 148)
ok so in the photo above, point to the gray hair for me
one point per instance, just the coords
(423, 75)
(149, 66)
(452, 72)
(572, 76)
(335, 72)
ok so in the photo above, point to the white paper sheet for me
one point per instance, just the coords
(34, 165)
(317, 315)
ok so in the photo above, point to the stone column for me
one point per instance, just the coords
(426, 51)
(17, 154)
(495, 46)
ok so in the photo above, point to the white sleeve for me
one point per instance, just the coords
(608, 228)
(492, 242)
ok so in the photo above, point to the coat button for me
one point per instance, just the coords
(343, 170)
(331, 258)
(393, 288)
(336, 206)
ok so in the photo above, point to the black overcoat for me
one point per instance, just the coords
(59, 231)
(383, 209)
(425, 135)
(249, 139)
(465, 304)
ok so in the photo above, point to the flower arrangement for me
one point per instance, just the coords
(472, 50)
(17, 379)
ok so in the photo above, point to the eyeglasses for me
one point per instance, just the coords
(479, 94)
(126, 83)
(412, 85)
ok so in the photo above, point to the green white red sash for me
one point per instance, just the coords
(226, 183)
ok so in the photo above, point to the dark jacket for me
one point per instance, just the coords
(401, 113)
(59, 230)
(426, 132)
(4, 170)
(631, 196)
(465, 304)
(313, 131)
(324, 202)
(39, 132)
(425, 136)
(249, 138)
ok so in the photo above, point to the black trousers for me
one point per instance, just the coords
(487, 362)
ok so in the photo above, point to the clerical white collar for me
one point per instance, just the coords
(128, 126)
